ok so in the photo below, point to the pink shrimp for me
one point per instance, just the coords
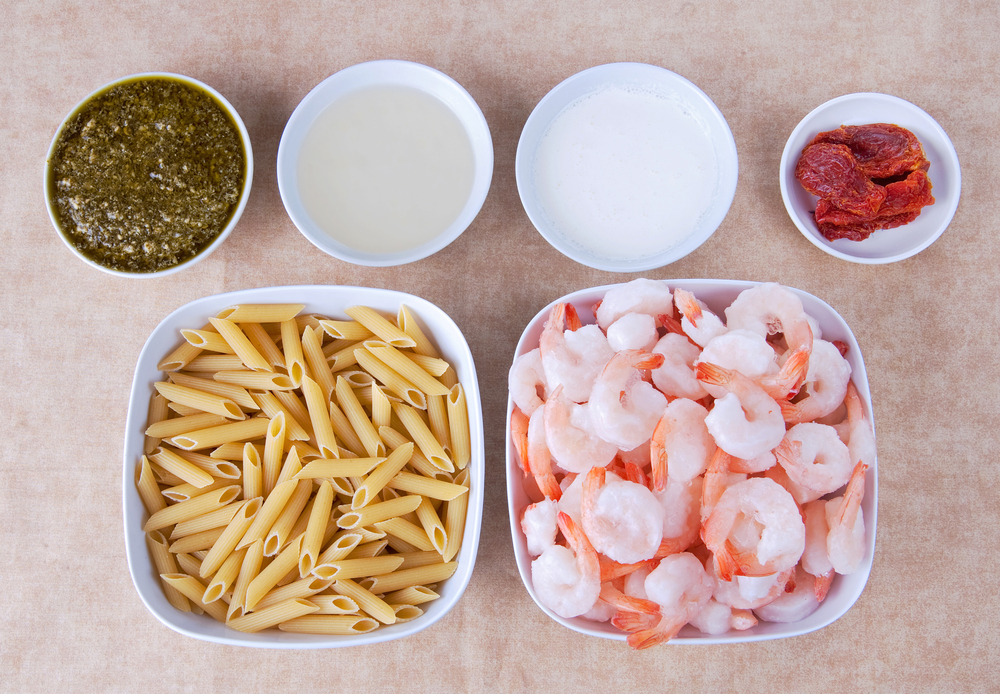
(624, 408)
(747, 422)
(568, 580)
(846, 541)
(572, 359)
(681, 445)
(700, 324)
(539, 458)
(570, 437)
(519, 437)
(623, 520)
(680, 586)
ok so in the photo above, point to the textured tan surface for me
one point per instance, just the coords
(70, 336)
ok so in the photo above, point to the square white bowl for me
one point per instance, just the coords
(330, 301)
(718, 294)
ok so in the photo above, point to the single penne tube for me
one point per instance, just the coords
(207, 340)
(368, 549)
(381, 407)
(235, 449)
(394, 439)
(216, 468)
(343, 357)
(196, 542)
(283, 524)
(326, 468)
(291, 467)
(426, 486)
(177, 426)
(224, 577)
(376, 512)
(189, 564)
(226, 433)
(183, 355)
(335, 345)
(378, 478)
(367, 601)
(271, 406)
(419, 576)
(316, 361)
(411, 560)
(397, 361)
(170, 461)
(454, 517)
(340, 547)
(149, 490)
(360, 422)
(248, 571)
(194, 590)
(183, 492)
(334, 604)
(346, 330)
(380, 326)
(253, 476)
(437, 421)
(413, 535)
(413, 595)
(237, 394)
(458, 423)
(263, 343)
(186, 510)
(432, 525)
(255, 380)
(435, 367)
(219, 518)
(291, 344)
(407, 322)
(268, 577)
(240, 344)
(406, 613)
(200, 400)
(391, 379)
(295, 407)
(274, 446)
(319, 417)
(273, 505)
(344, 431)
(358, 568)
(303, 588)
(449, 378)
(230, 537)
(261, 313)
(272, 616)
(309, 320)
(158, 411)
(183, 410)
(319, 518)
(329, 624)
(357, 378)
(210, 363)
(165, 563)
(422, 436)
(163, 477)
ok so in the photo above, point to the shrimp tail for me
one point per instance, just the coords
(665, 630)
(671, 545)
(786, 383)
(612, 570)
(573, 322)
(592, 484)
(742, 620)
(626, 603)
(714, 375)
(725, 563)
(791, 412)
(633, 622)
(658, 453)
(855, 492)
(634, 473)
(688, 305)
(822, 585)
(673, 325)
(519, 436)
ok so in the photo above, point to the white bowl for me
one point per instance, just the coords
(233, 219)
(718, 294)
(638, 78)
(887, 245)
(376, 74)
(331, 301)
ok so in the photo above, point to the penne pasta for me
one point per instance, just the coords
(253, 476)
(334, 604)
(193, 590)
(432, 525)
(216, 468)
(255, 380)
(235, 529)
(170, 461)
(316, 361)
(358, 568)
(249, 569)
(199, 400)
(366, 600)
(268, 578)
(319, 518)
(343, 357)
(218, 518)
(360, 422)
(412, 535)
(210, 363)
(344, 432)
(283, 524)
(325, 468)
(186, 510)
(329, 624)
(272, 616)
(158, 411)
(274, 446)
(165, 563)
(196, 542)
(240, 344)
(224, 577)
(413, 595)
(408, 324)
(426, 486)
(378, 478)
(373, 513)
(183, 355)
(261, 313)
(303, 588)
(225, 433)
(380, 326)
(391, 379)
(319, 417)
(421, 575)
(458, 423)
(346, 330)
(437, 421)
(209, 340)
(422, 436)
(263, 343)
(454, 518)
(177, 426)
(397, 361)
(149, 490)
(271, 406)
(237, 394)
(291, 343)
(273, 505)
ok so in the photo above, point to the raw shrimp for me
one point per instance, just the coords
(846, 541)
(623, 407)
(641, 295)
(739, 350)
(681, 502)
(539, 458)
(698, 323)
(681, 445)
(567, 580)
(539, 525)
(825, 385)
(770, 308)
(526, 381)
(623, 520)
(572, 359)
(755, 530)
(676, 377)
(570, 437)
(791, 607)
(815, 458)
(633, 331)
(747, 422)
(680, 586)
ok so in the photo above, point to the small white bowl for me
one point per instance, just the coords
(362, 76)
(233, 219)
(636, 78)
(330, 301)
(717, 294)
(887, 245)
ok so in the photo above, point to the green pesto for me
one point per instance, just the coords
(147, 174)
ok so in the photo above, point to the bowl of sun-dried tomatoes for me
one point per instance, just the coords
(870, 178)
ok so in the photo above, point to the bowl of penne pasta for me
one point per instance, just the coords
(303, 467)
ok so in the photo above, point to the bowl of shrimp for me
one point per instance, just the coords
(691, 462)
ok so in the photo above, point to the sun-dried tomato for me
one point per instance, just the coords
(903, 202)
(831, 172)
(883, 150)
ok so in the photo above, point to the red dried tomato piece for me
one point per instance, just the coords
(831, 172)
(883, 150)
(903, 203)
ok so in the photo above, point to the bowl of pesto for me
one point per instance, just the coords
(148, 174)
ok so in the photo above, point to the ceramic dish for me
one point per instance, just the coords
(717, 294)
(330, 301)
(234, 215)
(887, 245)
(624, 169)
(348, 83)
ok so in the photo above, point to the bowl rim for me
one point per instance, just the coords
(931, 134)
(318, 298)
(617, 73)
(848, 591)
(234, 218)
(362, 76)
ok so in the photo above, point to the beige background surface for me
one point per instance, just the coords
(71, 619)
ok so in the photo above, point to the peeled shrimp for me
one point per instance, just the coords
(681, 445)
(526, 381)
(623, 407)
(700, 324)
(861, 442)
(633, 331)
(815, 459)
(641, 295)
(572, 359)
(681, 502)
(749, 592)
(539, 526)
(846, 541)
(539, 458)
(623, 520)
(747, 422)
(768, 309)
(570, 437)
(567, 580)
(676, 377)
(815, 558)
(739, 350)
(825, 385)
(682, 589)
(755, 530)
(793, 606)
